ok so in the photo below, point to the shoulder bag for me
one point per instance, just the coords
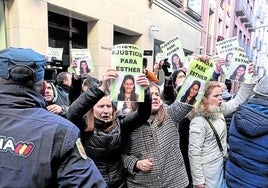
(219, 144)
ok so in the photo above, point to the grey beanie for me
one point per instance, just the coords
(261, 87)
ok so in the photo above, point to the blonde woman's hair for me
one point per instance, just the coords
(208, 90)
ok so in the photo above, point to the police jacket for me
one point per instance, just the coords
(38, 148)
(105, 147)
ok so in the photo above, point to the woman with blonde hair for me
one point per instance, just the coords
(205, 156)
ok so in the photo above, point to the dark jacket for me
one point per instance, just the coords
(58, 100)
(105, 147)
(248, 139)
(63, 95)
(39, 149)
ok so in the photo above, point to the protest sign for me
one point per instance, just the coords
(159, 57)
(192, 90)
(225, 50)
(127, 61)
(83, 59)
(228, 45)
(239, 67)
(174, 52)
(54, 54)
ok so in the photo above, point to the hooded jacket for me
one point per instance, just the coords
(58, 100)
(248, 159)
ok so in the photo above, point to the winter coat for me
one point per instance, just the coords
(105, 147)
(248, 160)
(206, 160)
(38, 148)
(162, 143)
(59, 101)
(63, 95)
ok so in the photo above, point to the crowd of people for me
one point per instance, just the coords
(69, 133)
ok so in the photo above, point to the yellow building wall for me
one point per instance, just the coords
(27, 24)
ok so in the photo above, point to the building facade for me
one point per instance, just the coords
(98, 25)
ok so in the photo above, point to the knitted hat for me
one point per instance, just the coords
(14, 57)
(261, 87)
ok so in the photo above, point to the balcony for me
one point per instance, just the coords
(249, 24)
(177, 3)
(247, 17)
(257, 41)
(260, 14)
(244, 19)
(252, 29)
(240, 7)
(193, 14)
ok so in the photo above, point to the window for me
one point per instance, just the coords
(65, 32)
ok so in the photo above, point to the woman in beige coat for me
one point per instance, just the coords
(206, 159)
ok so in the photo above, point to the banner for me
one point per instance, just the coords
(83, 59)
(199, 74)
(127, 61)
(160, 57)
(225, 50)
(173, 50)
(228, 45)
(239, 67)
(54, 54)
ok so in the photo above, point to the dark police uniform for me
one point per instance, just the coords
(37, 148)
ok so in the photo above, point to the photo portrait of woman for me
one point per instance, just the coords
(84, 69)
(237, 77)
(176, 62)
(190, 95)
(127, 89)
(239, 73)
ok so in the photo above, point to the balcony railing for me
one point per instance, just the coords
(177, 3)
(240, 7)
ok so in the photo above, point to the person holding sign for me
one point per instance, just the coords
(152, 154)
(205, 154)
(127, 89)
(103, 132)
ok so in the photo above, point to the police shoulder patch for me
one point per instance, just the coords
(81, 149)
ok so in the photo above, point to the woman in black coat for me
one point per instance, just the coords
(102, 131)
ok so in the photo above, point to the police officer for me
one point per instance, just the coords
(37, 148)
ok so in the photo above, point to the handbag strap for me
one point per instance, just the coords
(216, 135)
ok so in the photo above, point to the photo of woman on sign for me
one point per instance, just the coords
(127, 89)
